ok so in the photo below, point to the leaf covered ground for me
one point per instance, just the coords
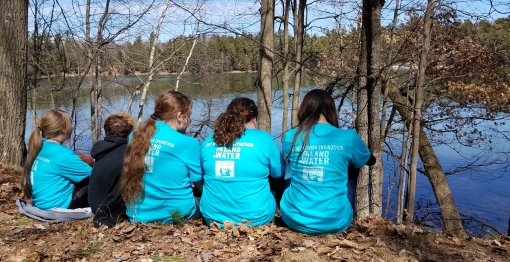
(373, 239)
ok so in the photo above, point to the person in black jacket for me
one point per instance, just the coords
(104, 197)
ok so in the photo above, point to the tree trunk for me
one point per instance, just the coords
(386, 73)
(374, 103)
(99, 99)
(368, 122)
(299, 29)
(152, 69)
(13, 84)
(266, 64)
(36, 55)
(361, 123)
(418, 102)
(286, 74)
(92, 85)
(433, 170)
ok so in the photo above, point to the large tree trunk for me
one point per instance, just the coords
(299, 30)
(374, 103)
(368, 122)
(266, 64)
(433, 170)
(361, 123)
(13, 84)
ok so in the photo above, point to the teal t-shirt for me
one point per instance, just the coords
(173, 161)
(316, 201)
(55, 171)
(236, 186)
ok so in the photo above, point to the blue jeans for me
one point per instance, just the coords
(351, 192)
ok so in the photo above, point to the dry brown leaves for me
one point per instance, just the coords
(373, 239)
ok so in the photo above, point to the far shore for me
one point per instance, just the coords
(161, 73)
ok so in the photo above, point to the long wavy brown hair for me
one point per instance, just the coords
(230, 124)
(51, 123)
(166, 108)
(317, 102)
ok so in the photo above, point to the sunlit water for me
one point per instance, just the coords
(482, 192)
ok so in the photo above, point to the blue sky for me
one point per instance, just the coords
(227, 16)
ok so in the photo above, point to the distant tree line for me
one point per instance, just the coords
(60, 54)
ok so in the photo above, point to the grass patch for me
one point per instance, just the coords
(94, 248)
(22, 221)
(27, 260)
(167, 259)
(303, 256)
(177, 218)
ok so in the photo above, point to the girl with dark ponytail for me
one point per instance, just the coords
(160, 163)
(237, 160)
(54, 175)
(320, 154)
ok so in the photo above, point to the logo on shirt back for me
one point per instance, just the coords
(149, 164)
(313, 174)
(224, 169)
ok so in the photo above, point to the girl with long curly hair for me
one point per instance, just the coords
(319, 155)
(160, 163)
(237, 161)
(54, 175)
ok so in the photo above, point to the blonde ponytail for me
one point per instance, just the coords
(52, 122)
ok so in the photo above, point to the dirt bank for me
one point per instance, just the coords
(373, 239)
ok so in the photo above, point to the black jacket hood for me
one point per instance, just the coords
(103, 147)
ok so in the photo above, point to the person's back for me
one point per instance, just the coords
(168, 193)
(56, 168)
(52, 171)
(236, 187)
(104, 197)
(316, 201)
(160, 164)
(237, 161)
(319, 155)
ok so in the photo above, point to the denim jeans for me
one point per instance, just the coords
(351, 191)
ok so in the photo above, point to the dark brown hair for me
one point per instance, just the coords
(166, 108)
(317, 102)
(119, 124)
(52, 122)
(230, 124)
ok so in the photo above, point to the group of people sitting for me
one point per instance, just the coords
(156, 173)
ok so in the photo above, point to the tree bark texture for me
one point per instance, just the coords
(368, 121)
(361, 123)
(374, 101)
(13, 80)
(266, 64)
(433, 170)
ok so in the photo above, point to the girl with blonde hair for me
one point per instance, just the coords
(54, 175)
(160, 164)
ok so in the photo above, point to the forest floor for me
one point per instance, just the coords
(372, 239)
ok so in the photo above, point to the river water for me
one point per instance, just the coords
(481, 192)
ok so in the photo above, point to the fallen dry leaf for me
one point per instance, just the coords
(323, 250)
